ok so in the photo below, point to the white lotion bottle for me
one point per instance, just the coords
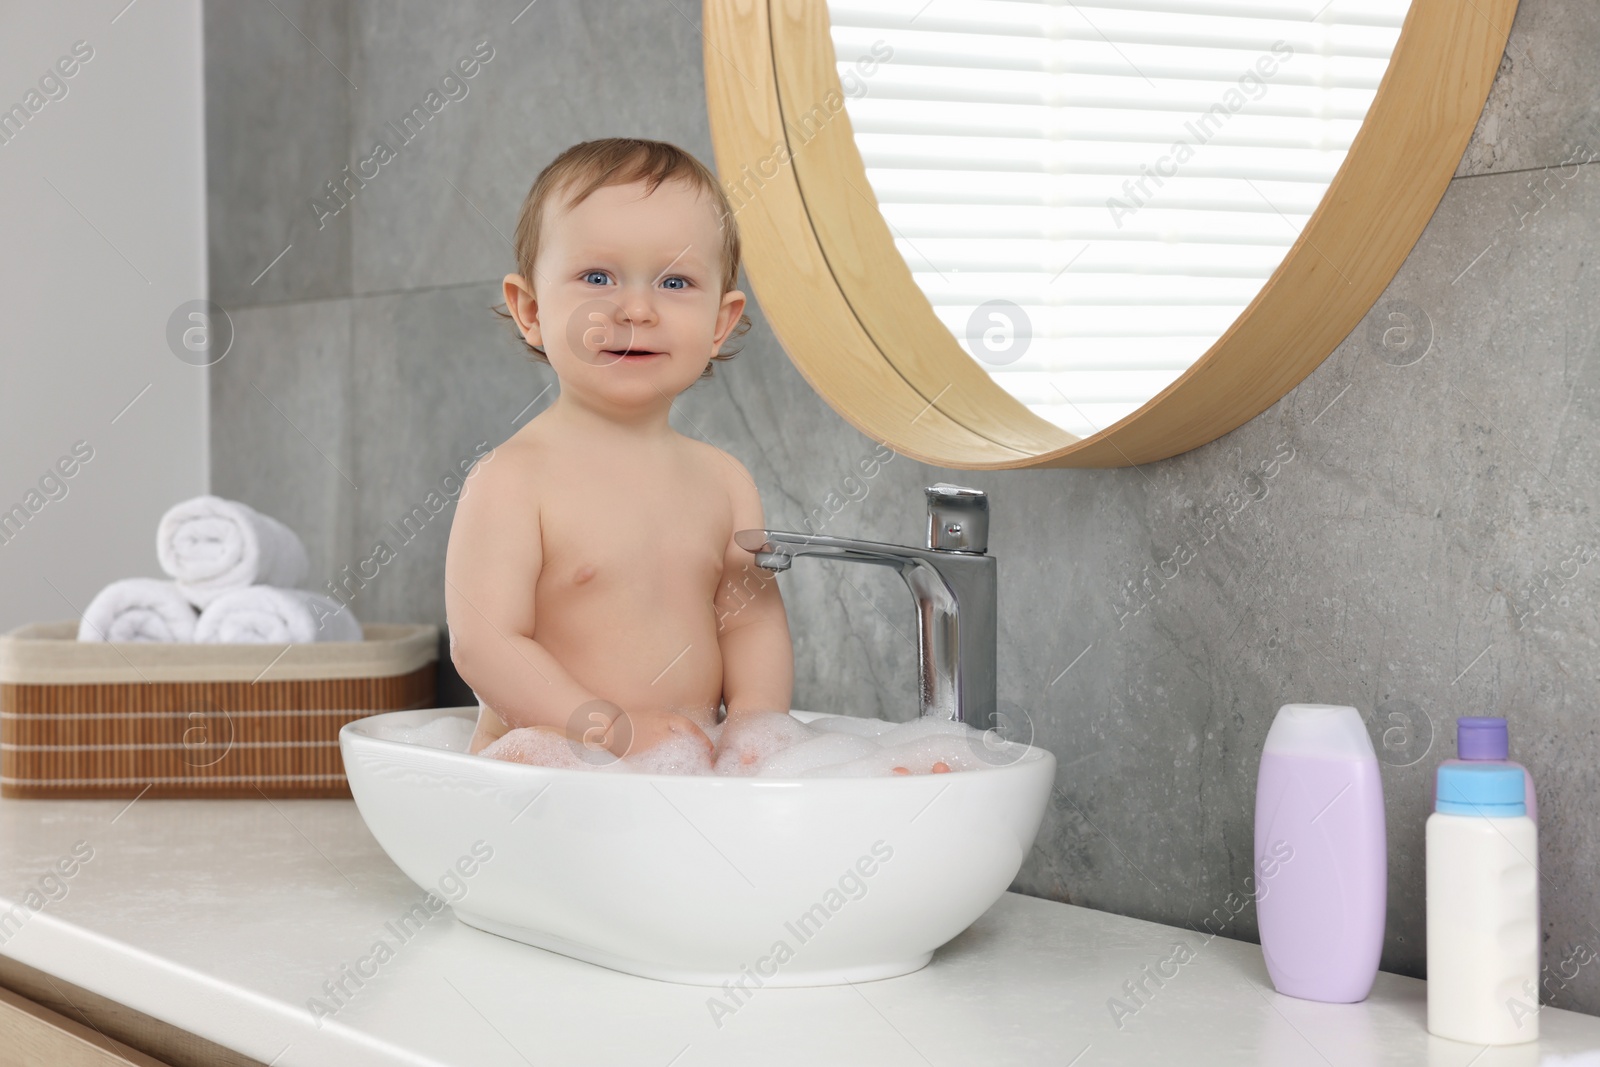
(1483, 906)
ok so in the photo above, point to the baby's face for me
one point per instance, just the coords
(628, 291)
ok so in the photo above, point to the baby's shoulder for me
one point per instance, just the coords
(734, 478)
(723, 466)
(509, 470)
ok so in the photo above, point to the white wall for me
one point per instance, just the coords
(102, 236)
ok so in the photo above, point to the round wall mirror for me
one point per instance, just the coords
(1007, 234)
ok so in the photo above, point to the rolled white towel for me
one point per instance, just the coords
(210, 545)
(265, 614)
(139, 609)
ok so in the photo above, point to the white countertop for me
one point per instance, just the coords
(224, 917)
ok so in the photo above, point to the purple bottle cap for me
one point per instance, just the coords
(1481, 737)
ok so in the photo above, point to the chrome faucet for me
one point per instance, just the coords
(953, 583)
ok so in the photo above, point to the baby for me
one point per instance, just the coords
(593, 586)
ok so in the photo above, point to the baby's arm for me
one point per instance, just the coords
(752, 626)
(490, 569)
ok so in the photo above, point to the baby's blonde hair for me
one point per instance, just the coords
(593, 165)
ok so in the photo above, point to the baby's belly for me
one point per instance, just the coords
(660, 663)
(650, 661)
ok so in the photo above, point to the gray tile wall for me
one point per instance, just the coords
(1425, 548)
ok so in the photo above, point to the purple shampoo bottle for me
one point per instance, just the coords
(1321, 853)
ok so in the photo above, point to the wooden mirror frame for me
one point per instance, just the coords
(845, 307)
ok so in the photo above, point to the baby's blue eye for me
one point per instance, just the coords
(589, 276)
(677, 278)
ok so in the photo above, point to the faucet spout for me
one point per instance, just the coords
(952, 582)
(775, 549)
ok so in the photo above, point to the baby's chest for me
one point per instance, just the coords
(613, 534)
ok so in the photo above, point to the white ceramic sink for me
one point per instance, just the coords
(701, 879)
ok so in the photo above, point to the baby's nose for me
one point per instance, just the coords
(637, 308)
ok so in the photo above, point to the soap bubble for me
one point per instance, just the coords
(824, 750)
(450, 732)
(849, 724)
(537, 746)
(749, 739)
(679, 753)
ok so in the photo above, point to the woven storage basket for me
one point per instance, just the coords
(91, 719)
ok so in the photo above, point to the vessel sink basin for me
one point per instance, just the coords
(701, 879)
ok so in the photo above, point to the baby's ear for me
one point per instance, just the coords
(733, 302)
(524, 308)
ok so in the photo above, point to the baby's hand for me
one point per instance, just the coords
(634, 732)
(748, 737)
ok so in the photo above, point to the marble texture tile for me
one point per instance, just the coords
(1543, 105)
(442, 212)
(281, 415)
(277, 128)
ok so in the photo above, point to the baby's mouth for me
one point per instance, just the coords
(632, 353)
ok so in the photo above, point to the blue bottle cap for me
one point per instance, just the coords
(1496, 792)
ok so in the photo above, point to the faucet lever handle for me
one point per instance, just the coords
(958, 519)
(769, 556)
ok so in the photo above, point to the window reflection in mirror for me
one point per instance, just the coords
(1090, 193)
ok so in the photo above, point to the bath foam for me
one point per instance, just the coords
(752, 737)
(830, 749)
(542, 747)
(676, 755)
(447, 732)
(777, 745)
(918, 756)
(849, 724)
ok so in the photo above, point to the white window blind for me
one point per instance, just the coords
(1128, 173)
